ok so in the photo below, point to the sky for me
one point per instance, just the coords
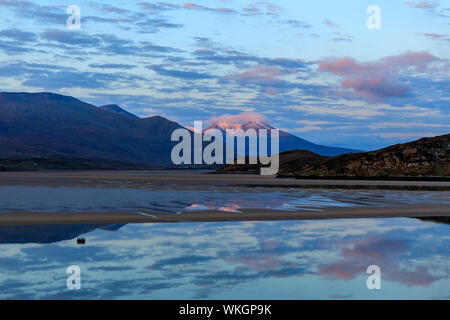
(314, 69)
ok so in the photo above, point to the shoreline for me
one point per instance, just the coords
(64, 218)
(204, 181)
(158, 179)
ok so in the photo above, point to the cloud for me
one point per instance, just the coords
(330, 24)
(68, 79)
(120, 15)
(153, 25)
(42, 14)
(271, 91)
(383, 252)
(143, 23)
(378, 80)
(53, 77)
(14, 47)
(111, 66)
(108, 8)
(341, 39)
(260, 74)
(297, 23)
(253, 9)
(71, 38)
(104, 43)
(181, 74)
(435, 35)
(184, 260)
(18, 35)
(149, 46)
(239, 118)
(422, 4)
(221, 56)
(261, 8)
(156, 7)
(269, 77)
(193, 6)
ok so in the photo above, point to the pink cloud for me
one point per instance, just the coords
(255, 9)
(270, 91)
(260, 263)
(260, 74)
(378, 80)
(422, 4)
(252, 11)
(194, 6)
(435, 35)
(341, 270)
(270, 7)
(382, 252)
(240, 118)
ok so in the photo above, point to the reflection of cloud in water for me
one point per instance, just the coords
(259, 260)
(225, 208)
(386, 253)
(229, 199)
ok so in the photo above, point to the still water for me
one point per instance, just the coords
(238, 260)
(227, 199)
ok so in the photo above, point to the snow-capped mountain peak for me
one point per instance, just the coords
(223, 126)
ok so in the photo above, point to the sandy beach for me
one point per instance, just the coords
(194, 179)
(162, 180)
(50, 218)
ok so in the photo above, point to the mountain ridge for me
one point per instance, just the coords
(118, 110)
(420, 158)
(51, 125)
(287, 141)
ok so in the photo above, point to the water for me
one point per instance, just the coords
(233, 260)
(227, 199)
(238, 260)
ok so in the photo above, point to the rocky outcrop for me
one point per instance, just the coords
(424, 157)
(288, 159)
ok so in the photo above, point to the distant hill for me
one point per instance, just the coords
(424, 157)
(51, 126)
(288, 159)
(287, 141)
(118, 110)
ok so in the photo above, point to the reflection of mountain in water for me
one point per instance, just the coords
(49, 234)
(445, 219)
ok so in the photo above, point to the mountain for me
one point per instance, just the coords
(287, 140)
(424, 157)
(114, 108)
(223, 126)
(53, 126)
(51, 131)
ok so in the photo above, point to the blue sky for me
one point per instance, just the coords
(311, 68)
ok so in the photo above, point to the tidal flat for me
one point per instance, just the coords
(229, 236)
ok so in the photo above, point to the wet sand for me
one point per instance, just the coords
(196, 180)
(50, 218)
